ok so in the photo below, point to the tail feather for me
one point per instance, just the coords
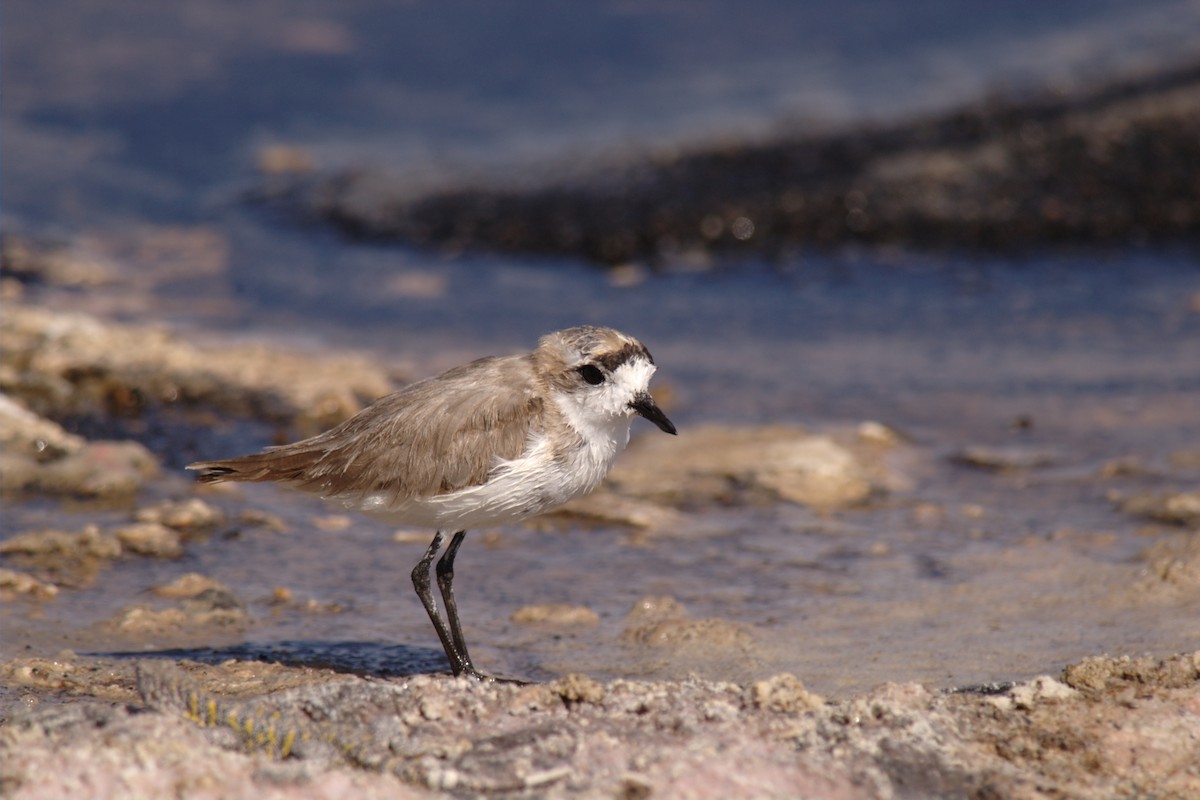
(213, 472)
(283, 464)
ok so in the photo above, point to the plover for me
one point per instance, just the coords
(488, 443)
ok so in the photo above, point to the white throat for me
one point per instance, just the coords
(604, 434)
(601, 415)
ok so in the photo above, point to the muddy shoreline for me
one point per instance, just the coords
(931, 527)
(1107, 163)
(220, 706)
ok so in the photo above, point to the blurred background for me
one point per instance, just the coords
(972, 221)
(180, 102)
(215, 146)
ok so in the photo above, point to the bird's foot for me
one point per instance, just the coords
(483, 677)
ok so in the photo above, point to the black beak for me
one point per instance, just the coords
(645, 406)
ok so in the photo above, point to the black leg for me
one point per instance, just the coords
(420, 579)
(445, 578)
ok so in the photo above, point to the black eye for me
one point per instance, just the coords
(592, 374)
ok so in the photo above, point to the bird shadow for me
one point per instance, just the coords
(356, 658)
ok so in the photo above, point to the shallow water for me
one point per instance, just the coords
(960, 576)
(1096, 354)
(1011, 577)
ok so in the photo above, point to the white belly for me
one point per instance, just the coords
(537, 481)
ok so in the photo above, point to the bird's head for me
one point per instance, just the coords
(600, 373)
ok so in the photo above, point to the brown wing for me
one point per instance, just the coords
(435, 436)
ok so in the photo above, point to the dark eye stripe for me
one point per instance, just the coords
(611, 360)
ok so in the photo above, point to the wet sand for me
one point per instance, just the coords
(690, 589)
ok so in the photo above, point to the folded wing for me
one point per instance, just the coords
(435, 436)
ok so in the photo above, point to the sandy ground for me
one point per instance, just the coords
(1105, 728)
